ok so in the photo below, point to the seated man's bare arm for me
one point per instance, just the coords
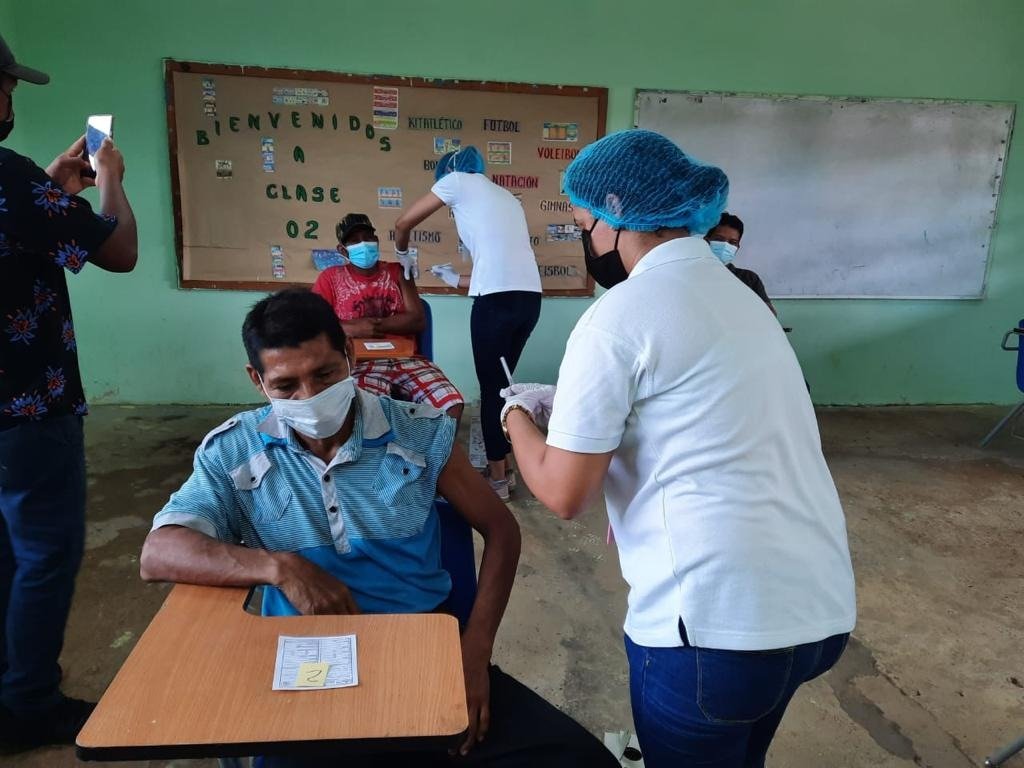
(179, 554)
(472, 497)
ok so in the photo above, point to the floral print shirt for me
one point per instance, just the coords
(43, 232)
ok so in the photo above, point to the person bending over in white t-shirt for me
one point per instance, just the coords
(504, 282)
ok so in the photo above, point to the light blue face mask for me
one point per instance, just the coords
(363, 255)
(723, 250)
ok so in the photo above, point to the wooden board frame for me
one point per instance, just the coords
(172, 65)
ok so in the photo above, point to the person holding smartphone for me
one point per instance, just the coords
(46, 229)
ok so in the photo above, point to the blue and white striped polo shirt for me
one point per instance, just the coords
(367, 518)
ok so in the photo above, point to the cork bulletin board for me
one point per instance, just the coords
(265, 163)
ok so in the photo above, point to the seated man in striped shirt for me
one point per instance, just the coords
(325, 496)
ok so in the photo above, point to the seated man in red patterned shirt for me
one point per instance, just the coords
(375, 299)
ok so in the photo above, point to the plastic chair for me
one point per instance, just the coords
(425, 338)
(1017, 332)
(458, 558)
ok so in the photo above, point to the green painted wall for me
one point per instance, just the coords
(143, 340)
(7, 23)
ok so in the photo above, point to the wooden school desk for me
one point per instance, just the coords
(401, 347)
(198, 684)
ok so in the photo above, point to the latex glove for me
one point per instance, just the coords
(446, 273)
(410, 262)
(536, 399)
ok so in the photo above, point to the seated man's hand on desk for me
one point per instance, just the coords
(178, 554)
(311, 589)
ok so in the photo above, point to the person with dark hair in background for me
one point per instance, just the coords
(724, 239)
(45, 229)
(504, 283)
(325, 496)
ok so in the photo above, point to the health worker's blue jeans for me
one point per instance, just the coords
(42, 536)
(717, 709)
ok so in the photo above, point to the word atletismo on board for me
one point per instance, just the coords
(265, 162)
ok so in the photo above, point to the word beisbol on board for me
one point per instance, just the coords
(316, 120)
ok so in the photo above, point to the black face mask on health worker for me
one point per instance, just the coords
(606, 269)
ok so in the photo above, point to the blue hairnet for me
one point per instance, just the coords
(640, 180)
(467, 160)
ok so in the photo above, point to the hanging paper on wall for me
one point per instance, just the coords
(277, 262)
(561, 132)
(293, 96)
(209, 97)
(385, 108)
(389, 197)
(223, 169)
(499, 152)
(267, 154)
(327, 257)
(560, 233)
(443, 145)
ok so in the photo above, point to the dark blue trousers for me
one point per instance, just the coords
(717, 709)
(42, 536)
(499, 325)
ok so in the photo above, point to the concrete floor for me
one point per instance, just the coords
(932, 678)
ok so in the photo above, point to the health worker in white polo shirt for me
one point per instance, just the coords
(680, 397)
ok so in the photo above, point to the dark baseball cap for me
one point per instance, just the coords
(352, 222)
(10, 67)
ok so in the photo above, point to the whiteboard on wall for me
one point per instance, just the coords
(850, 198)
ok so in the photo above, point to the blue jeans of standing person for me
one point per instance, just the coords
(499, 326)
(42, 536)
(717, 709)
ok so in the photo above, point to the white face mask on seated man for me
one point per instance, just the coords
(320, 416)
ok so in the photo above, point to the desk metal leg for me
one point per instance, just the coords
(1005, 753)
(998, 427)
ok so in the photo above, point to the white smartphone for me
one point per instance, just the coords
(97, 128)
